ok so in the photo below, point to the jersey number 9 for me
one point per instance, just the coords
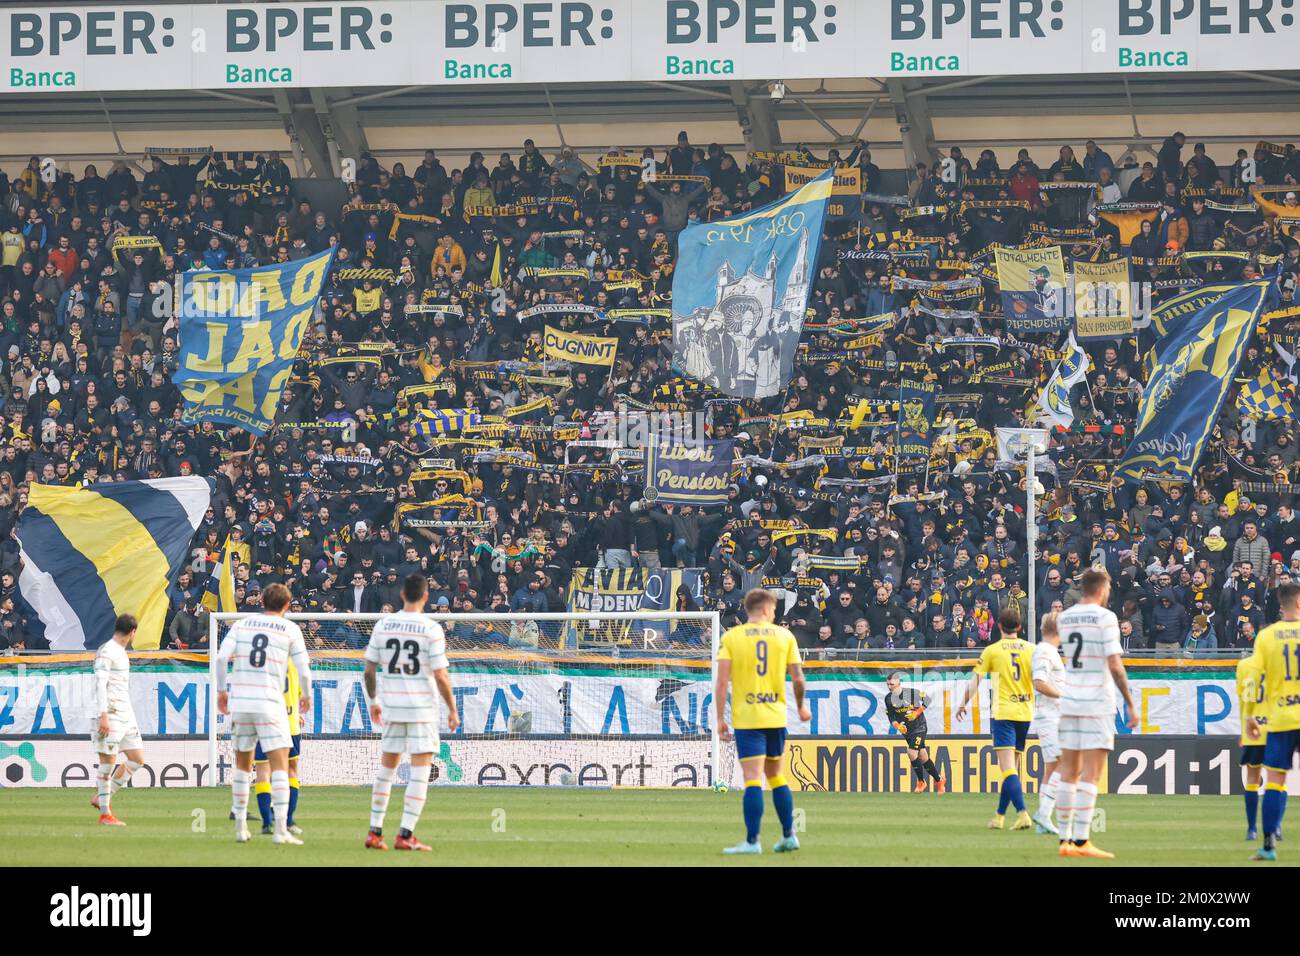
(760, 651)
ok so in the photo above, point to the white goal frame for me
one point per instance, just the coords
(713, 618)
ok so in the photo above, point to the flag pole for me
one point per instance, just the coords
(1031, 533)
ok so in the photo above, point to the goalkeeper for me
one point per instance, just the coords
(906, 712)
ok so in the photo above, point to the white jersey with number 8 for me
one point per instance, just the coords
(407, 649)
(1089, 635)
(261, 647)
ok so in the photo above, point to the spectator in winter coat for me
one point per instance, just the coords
(1170, 624)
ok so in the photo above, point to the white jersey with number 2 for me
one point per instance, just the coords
(407, 649)
(1089, 635)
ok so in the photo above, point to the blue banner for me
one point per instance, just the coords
(240, 333)
(1191, 373)
(915, 419)
(741, 289)
(689, 473)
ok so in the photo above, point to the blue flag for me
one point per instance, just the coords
(1192, 367)
(740, 291)
(240, 332)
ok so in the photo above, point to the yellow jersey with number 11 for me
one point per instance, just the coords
(1277, 658)
(760, 656)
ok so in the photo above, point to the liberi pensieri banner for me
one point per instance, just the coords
(434, 42)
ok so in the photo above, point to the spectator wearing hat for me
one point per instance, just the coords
(1170, 623)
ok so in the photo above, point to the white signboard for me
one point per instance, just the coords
(435, 42)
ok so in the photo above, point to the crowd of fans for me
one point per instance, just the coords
(88, 346)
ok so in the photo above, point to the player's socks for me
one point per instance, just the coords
(753, 806)
(379, 794)
(930, 769)
(239, 781)
(105, 781)
(1274, 796)
(1085, 801)
(1065, 809)
(294, 787)
(124, 773)
(1014, 794)
(262, 790)
(280, 801)
(783, 802)
(1047, 797)
(918, 768)
(416, 791)
(1252, 806)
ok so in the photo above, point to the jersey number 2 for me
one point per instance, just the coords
(1076, 659)
(412, 665)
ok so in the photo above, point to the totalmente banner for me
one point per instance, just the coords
(240, 333)
(199, 46)
(689, 473)
(500, 688)
(1033, 288)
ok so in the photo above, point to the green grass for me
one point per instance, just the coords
(55, 827)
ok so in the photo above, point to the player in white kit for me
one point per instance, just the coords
(261, 647)
(1049, 678)
(1094, 668)
(115, 730)
(406, 672)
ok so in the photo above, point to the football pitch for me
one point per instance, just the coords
(518, 827)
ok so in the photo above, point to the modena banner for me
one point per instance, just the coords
(443, 42)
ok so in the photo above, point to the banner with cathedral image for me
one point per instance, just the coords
(741, 289)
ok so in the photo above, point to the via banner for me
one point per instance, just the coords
(740, 292)
(582, 349)
(1192, 371)
(1033, 288)
(240, 332)
(915, 419)
(689, 473)
(1103, 300)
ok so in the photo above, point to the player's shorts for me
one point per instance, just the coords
(1088, 733)
(406, 738)
(916, 741)
(1252, 755)
(264, 732)
(259, 755)
(1279, 749)
(1049, 739)
(123, 735)
(1010, 734)
(760, 742)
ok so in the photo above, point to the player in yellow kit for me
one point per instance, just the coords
(754, 659)
(1249, 691)
(292, 690)
(1276, 661)
(1008, 664)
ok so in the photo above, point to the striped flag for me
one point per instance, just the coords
(443, 421)
(90, 554)
(219, 592)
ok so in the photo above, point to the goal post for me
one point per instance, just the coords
(623, 698)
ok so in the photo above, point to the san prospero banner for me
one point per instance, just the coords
(439, 42)
(240, 332)
(520, 690)
(741, 289)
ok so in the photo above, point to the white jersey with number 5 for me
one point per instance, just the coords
(407, 649)
(1089, 635)
(261, 647)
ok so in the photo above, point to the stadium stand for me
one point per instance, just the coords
(439, 297)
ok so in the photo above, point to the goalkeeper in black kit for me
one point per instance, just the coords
(906, 711)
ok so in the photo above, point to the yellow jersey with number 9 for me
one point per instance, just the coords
(760, 656)
(1277, 658)
(1008, 665)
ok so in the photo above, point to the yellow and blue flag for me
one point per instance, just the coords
(1266, 398)
(740, 291)
(90, 554)
(1192, 370)
(219, 592)
(240, 333)
(445, 421)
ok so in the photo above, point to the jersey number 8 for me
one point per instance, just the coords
(257, 656)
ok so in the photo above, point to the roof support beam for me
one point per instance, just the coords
(914, 126)
(757, 117)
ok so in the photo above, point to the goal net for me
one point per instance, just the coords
(552, 700)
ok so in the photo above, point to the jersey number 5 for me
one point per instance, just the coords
(412, 665)
(1076, 659)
